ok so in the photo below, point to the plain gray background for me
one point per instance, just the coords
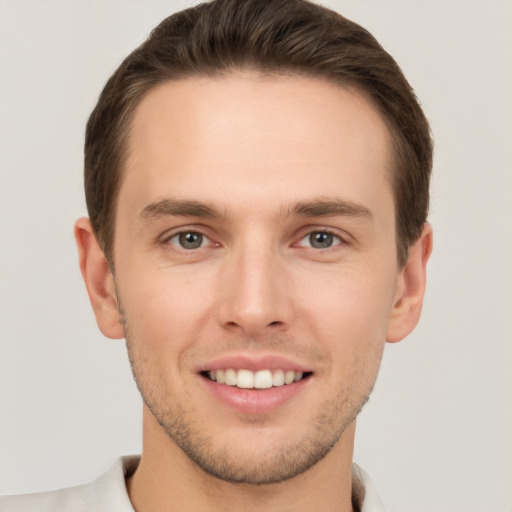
(437, 433)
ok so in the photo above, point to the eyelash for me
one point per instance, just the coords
(332, 246)
(338, 240)
(182, 233)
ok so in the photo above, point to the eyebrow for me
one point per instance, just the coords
(178, 208)
(314, 208)
(328, 208)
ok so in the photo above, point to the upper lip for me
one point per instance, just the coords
(254, 363)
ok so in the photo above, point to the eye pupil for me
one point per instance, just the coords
(191, 240)
(320, 240)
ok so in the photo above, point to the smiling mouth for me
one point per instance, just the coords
(261, 379)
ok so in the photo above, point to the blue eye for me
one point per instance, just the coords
(189, 240)
(320, 240)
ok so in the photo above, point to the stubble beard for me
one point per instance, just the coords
(221, 461)
(226, 464)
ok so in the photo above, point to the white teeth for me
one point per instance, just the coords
(262, 379)
(230, 377)
(278, 378)
(245, 379)
(289, 377)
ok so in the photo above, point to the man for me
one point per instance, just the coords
(256, 175)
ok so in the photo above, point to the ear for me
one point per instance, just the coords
(99, 280)
(410, 288)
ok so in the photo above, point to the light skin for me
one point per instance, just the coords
(255, 227)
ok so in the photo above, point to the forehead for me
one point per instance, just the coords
(281, 137)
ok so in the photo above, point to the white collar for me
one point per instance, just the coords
(364, 494)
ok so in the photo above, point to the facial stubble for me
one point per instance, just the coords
(227, 462)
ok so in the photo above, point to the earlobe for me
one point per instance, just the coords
(98, 280)
(410, 289)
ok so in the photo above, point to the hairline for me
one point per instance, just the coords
(250, 70)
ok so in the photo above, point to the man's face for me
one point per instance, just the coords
(255, 231)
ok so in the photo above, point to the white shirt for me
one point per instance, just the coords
(108, 494)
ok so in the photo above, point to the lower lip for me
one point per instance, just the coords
(255, 401)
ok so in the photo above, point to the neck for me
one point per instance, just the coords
(167, 476)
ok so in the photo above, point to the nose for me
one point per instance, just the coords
(256, 293)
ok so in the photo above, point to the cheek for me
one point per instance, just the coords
(165, 306)
(348, 307)
(347, 291)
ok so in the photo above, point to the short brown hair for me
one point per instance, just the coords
(274, 36)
